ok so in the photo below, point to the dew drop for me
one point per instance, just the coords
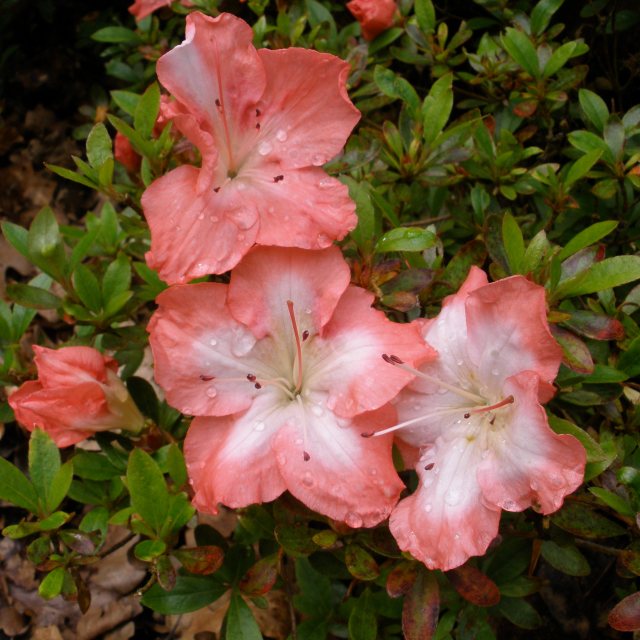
(212, 392)
(428, 507)
(353, 520)
(452, 497)
(299, 441)
(178, 227)
(373, 472)
(307, 310)
(213, 342)
(509, 505)
(281, 135)
(259, 426)
(214, 218)
(325, 183)
(282, 459)
(317, 160)
(456, 536)
(307, 480)
(460, 363)
(270, 209)
(201, 216)
(494, 372)
(264, 148)
(316, 410)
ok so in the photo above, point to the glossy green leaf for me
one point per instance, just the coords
(239, 621)
(566, 558)
(521, 49)
(16, 488)
(149, 496)
(146, 111)
(44, 464)
(609, 273)
(190, 593)
(51, 585)
(363, 624)
(32, 297)
(406, 239)
(99, 146)
(594, 107)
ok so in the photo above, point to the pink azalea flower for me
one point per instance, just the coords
(475, 415)
(374, 16)
(142, 8)
(77, 393)
(265, 122)
(283, 368)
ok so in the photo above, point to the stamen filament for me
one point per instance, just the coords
(407, 423)
(497, 405)
(303, 418)
(396, 362)
(298, 344)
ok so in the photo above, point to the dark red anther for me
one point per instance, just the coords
(216, 189)
(305, 335)
(218, 104)
(206, 378)
(395, 360)
(257, 385)
(306, 456)
(466, 416)
(430, 466)
(251, 377)
(257, 113)
(278, 178)
(367, 434)
(386, 358)
(258, 126)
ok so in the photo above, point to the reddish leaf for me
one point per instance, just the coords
(595, 325)
(201, 560)
(421, 607)
(360, 563)
(474, 586)
(165, 573)
(625, 616)
(401, 579)
(260, 578)
(526, 108)
(575, 353)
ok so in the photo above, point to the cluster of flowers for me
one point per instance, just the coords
(294, 380)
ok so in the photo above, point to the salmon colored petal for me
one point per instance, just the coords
(508, 331)
(306, 112)
(67, 366)
(374, 16)
(142, 8)
(529, 463)
(445, 521)
(230, 460)
(268, 277)
(194, 234)
(347, 477)
(347, 358)
(314, 208)
(217, 74)
(202, 354)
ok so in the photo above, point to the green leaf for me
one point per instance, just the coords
(581, 167)
(147, 550)
(586, 142)
(189, 594)
(17, 237)
(542, 13)
(594, 107)
(425, 15)
(614, 136)
(613, 500)
(81, 249)
(521, 49)
(51, 586)
(583, 521)
(606, 274)
(360, 563)
(126, 100)
(362, 620)
(87, 287)
(149, 495)
(203, 560)
(32, 297)
(116, 35)
(147, 109)
(44, 234)
(117, 278)
(437, 107)
(44, 464)
(74, 176)
(175, 465)
(406, 239)
(559, 58)
(587, 237)
(60, 486)
(99, 146)
(16, 488)
(565, 558)
(315, 597)
(595, 453)
(364, 233)
(513, 242)
(421, 607)
(520, 613)
(239, 621)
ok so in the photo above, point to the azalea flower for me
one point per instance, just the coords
(474, 415)
(265, 122)
(77, 394)
(282, 367)
(374, 16)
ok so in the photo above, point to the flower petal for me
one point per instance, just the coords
(374, 16)
(202, 354)
(347, 359)
(217, 74)
(194, 234)
(508, 331)
(445, 521)
(307, 114)
(71, 365)
(347, 477)
(299, 208)
(269, 276)
(530, 464)
(230, 460)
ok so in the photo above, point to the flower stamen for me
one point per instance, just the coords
(294, 324)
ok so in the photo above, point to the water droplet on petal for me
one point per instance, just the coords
(373, 472)
(442, 390)
(456, 536)
(316, 410)
(494, 372)
(509, 505)
(281, 135)
(307, 480)
(299, 441)
(353, 520)
(213, 342)
(282, 459)
(259, 426)
(211, 391)
(452, 497)
(428, 507)
(264, 148)
(201, 216)
(214, 218)
(460, 363)
(317, 160)
(325, 183)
